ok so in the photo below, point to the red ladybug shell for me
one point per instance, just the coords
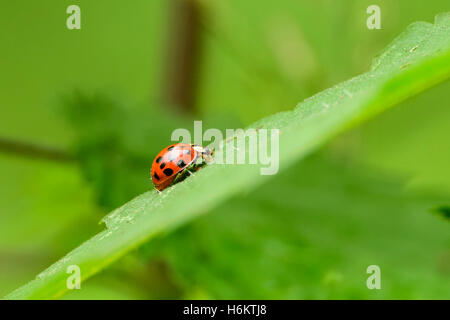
(170, 162)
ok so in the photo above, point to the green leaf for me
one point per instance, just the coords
(310, 234)
(418, 59)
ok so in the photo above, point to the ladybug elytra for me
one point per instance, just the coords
(173, 163)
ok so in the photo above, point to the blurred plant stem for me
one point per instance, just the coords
(35, 151)
(183, 53)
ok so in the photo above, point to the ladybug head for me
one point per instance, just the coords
(205, 152)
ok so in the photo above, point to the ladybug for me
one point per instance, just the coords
(175, 162)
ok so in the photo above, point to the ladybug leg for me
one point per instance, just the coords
(189, 171)
(182, 175)
(194, 167)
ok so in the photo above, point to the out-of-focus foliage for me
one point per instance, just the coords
(249, 69)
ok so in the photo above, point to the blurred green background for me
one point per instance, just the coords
(83, 113)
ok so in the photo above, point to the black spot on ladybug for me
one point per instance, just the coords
(168, 172)
(158, 160)
(162, 165)
(181, 164)
(156, 176)
(170, 148)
